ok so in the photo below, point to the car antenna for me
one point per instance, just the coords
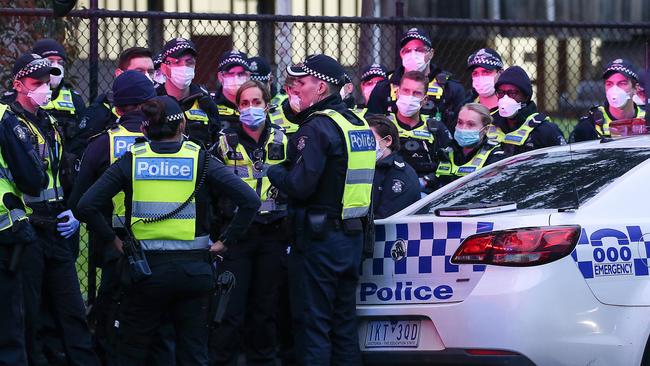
(576, 196)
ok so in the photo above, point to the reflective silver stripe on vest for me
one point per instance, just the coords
(277, 136)
(46, 195)
(201, 242)
(360, 176)
(12, 216)
(147, 210)
(354, 212)
(118, 221)
(6, 174)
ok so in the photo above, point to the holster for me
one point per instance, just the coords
(317, 225)
(135, 267)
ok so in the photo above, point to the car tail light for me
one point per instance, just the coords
(518, 247)
(628, 127)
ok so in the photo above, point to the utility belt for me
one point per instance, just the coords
(315, 225)
(275, 230)
(158, 257)
(44, 216)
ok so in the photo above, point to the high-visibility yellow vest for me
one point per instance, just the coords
(279, 98)
(7, 187)
(54, 191)
(227, 111)
(277, 117)
(361, 112)
(120, 141)
(360, 143)
(419, 133)
(63, 102)
(517, 137)
(477, 162)
(604, 131)
(274, 152)
(161, 183)
(195, 113)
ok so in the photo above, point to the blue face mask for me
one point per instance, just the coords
(467, 137)
(253, 117)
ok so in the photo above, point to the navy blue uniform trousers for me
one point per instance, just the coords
(323, 276)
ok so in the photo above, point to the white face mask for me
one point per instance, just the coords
(508, 107)
(414, 61)
(55, 81)
(408, 105)
(232, 83)
(617, 97)
(159, 77)
(379, 151)
(41, 95)
(484, 85)
(637, 100)
(294, 103)
(366, 93)
(182, 76)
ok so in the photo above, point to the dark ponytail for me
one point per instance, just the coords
(155, 125)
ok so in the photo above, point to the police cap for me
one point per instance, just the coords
(621, 66)
(48, 47)
(415, 33)
(260, 69)
(321, 67)
(177, 47)
(374, 70)
(486, 58)
(33, 66)
(233, 58)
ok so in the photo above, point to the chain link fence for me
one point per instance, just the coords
(564, 59)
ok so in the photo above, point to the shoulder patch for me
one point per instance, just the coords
(302, 142)
(399, 164)
(21, 132)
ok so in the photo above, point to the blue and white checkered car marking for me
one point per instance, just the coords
(608, 252)
(427, 251)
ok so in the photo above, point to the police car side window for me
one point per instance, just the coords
(543, 181)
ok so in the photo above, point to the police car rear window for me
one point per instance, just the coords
(543, 181)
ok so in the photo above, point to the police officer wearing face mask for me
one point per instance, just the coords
(444, 96)
(169, 184)
(621, 84)
(471, 150)
(49, 264)
(486, 66)
(233, 71)
(101, 113)
(519, 127)
(421, 138)
(178, 66)
(328, 178)
(370, 76)
(261, 71)
(249, 149)
(396, 184)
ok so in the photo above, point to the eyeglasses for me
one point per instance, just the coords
(512, 93)
(404, 51)
(190, 62)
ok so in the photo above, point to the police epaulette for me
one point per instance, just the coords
(204, 90)
(492, 142)
(539, 118)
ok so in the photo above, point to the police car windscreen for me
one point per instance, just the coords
(543, 181)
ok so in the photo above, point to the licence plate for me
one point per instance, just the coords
(393, 333)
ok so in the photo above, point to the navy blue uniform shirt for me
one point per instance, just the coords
(395, 186)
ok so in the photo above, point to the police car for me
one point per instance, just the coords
(540, 259)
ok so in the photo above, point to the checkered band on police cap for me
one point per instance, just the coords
(34, 63)
(415, 33)
(174, 117)
(234, 57)
(622, 66)
(374, 70)
(321, 67)
(485, 57)
(176, 45)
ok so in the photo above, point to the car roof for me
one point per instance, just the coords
(641, 141)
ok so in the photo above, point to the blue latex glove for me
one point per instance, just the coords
(69, 227)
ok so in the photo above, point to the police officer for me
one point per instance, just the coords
(471, 150)
(169, 185)
(249, 149)
(49, 265)
(21, 170)
(101, 113)
(347, 94)
(130, 90)
(444, 96)
(486, 66)
(158, 77)
(178, 65)
(621, 84)
(420, 137)
(370, 76)
(396, 184)
(233, 71)
(519, 127)
(329, 181)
